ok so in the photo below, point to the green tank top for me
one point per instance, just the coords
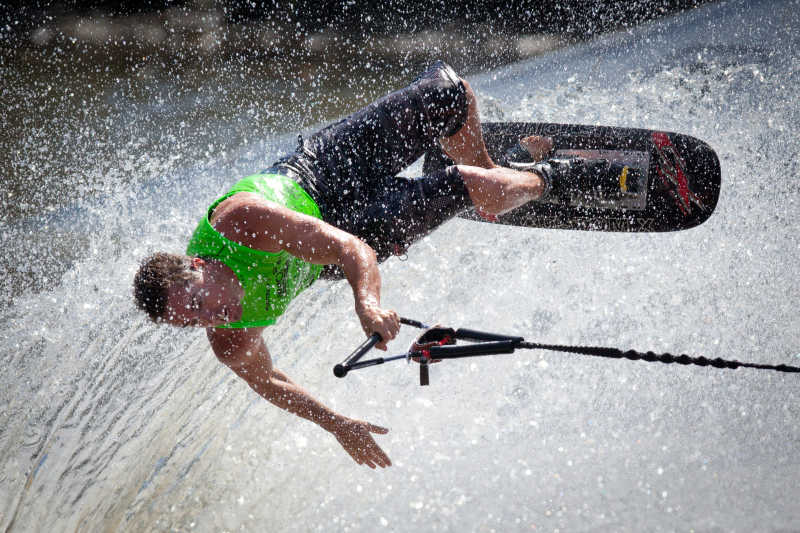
(270, 280)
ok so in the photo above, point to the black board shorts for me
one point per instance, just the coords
(349, 168)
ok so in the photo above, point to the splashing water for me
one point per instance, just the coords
(112, 423)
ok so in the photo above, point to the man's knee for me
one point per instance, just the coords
(445, 97)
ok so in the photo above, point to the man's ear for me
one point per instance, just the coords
(197, 263)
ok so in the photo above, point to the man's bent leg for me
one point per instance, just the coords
(492, 189)
(407, 210)
(352, 156)
(466, 146)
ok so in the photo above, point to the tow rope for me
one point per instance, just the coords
(438, 343)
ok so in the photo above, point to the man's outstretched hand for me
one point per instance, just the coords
(355, 437)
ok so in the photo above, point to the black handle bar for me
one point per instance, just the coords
(351, 362)
(344, 367)
(490, 343)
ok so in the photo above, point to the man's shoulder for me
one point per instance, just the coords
(241, 205)
(245, 218)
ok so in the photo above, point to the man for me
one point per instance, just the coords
(336, 202)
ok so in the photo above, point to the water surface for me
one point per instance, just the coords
(112, 423)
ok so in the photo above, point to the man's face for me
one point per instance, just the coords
(199, 302)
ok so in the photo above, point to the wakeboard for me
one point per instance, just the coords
(678, 177)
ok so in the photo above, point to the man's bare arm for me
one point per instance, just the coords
(256, 223)
(244, 351)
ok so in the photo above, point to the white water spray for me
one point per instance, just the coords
(112, 423)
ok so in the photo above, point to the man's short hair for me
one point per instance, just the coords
(152, 281)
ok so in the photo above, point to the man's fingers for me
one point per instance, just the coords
(377, 454)
(353, 455)
(382, 459)
(378, 457)
(377, 429)
(389, 331)
(385, 323)
(360, 445)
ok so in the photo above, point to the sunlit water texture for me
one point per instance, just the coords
(112, 423)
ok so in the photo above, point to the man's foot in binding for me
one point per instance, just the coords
(580, 181)
(572, 179)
